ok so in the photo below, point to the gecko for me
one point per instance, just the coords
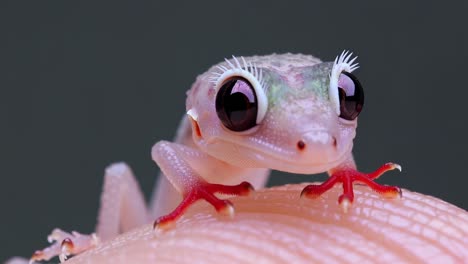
(244, 117)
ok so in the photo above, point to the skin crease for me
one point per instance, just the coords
(275, 225)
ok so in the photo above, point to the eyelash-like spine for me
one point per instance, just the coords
(237, 68)
(342, 63)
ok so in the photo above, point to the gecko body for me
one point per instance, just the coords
(245, 116)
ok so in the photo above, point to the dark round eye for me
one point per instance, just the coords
(236, 104)
(351, 96)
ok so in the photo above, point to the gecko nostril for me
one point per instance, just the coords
(301, 145)
(334, 142)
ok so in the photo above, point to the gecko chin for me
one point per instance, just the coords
(311, 156)
(304, 163)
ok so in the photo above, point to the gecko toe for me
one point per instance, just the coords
(162, 224)
(345, 202)
(227, 210)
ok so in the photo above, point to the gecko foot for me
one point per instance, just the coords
(206, 192)
(347, 176)
(65, 244)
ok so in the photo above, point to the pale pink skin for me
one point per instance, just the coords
(277, 226)
(220, 156)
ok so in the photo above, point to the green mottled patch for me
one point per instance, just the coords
(315, 82)
(276, 87)
(317, 79)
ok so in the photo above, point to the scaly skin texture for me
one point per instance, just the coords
(300, 132)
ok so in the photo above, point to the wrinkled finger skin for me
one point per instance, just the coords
(277, 226)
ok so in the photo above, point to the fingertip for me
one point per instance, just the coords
(276, 226)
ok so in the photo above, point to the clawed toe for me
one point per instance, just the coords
(345, 202)
(65, 244)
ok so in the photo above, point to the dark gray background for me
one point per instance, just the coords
(86, 84)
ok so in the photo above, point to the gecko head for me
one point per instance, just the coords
(287, 112)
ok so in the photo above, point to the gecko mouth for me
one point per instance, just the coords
(297, 159)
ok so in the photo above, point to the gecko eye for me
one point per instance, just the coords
(236, 104)
(351, 96)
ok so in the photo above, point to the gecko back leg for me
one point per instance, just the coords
(122, 208)
(122, 203)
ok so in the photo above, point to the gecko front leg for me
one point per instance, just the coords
(182, 166)
(346, 174)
